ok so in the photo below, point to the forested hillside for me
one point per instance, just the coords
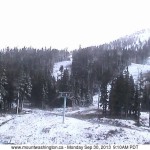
(107, 87)
(104, 69)
(27, 76)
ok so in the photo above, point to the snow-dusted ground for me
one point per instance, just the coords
(46, 127)
(4, 118)
(43, 127)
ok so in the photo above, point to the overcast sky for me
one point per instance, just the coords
(69, 23)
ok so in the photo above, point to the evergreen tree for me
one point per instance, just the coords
(44, 96)
(3, 91)
(61, 69)
(23, 87)
(104, 98)
(121, 100)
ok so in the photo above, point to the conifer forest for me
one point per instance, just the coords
(107, 91)
(27, 74)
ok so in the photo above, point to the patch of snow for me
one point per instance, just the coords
(135, 69)
(148, 61)
(95, 100)
(66, 65)
(145, 35)
(144, 119)
(4, 118)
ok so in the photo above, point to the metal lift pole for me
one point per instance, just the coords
(64, 109)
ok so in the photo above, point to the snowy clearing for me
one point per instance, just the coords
(44, 127)
(135, 69)
(65, 64)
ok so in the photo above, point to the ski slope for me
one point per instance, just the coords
(44, 127)
(135, 69)
(35, 126)
(65, 64)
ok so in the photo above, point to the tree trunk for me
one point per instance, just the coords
(18, 104)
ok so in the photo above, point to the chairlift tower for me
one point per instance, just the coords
(149, 110)
(65, 95)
